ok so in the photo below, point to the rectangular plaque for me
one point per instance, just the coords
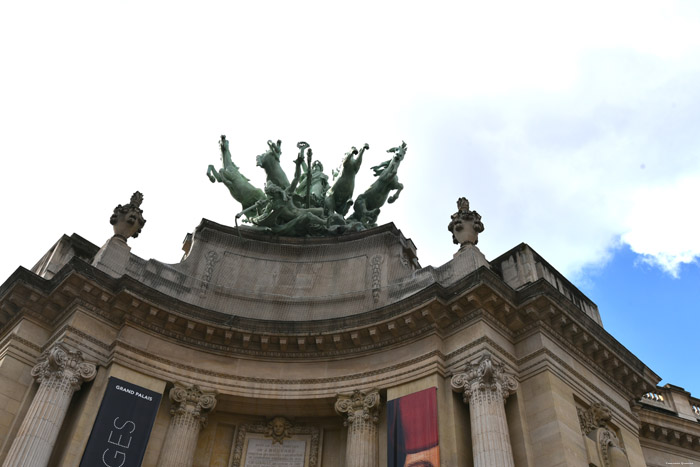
(122, 427)
(263, 452)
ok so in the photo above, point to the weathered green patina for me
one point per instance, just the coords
(308, 205)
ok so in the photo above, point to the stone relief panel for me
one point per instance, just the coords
(240, 274)
(603, 445)
(276, 443)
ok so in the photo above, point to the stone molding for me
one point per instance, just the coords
(59, 362)
(358, 406)
(484, 381)
(665, 435)
(485, 300)
(190, 402)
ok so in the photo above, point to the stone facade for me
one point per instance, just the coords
(281, 340)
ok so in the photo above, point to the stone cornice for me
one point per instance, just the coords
(669, 430)
(433, 309)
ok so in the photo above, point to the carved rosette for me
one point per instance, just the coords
(191, 402)
(484, 380)
(359, 406)
(60, 364)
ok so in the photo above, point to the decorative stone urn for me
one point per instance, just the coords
(465, 225)
(127, 221)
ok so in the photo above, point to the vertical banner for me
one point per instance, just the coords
(412, 428)
(123, 425)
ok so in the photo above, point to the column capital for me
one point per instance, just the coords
(192, 401)
(365, 405)
(60, 362)
(486, 375)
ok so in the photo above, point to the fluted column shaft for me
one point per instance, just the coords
(60, 372)
(486, 388)
(189, 413)
(361, 412)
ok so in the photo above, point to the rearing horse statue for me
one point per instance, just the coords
(339, 197)
(240, 187)
(270, 161)
(368, 204)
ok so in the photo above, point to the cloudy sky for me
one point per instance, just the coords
(572, 126)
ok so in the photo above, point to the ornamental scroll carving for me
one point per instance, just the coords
(594, 425)
(359, 405)
(376, 263)
(279, 429)
(59, 363)
(485, 380)
(211, 259)
(192, 401)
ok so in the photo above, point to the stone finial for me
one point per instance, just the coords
(192, 402)
(486, 376)
(60, 362)
(465, 225)
(128, 220)
(359, 404)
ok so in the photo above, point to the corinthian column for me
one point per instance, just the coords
(189, 413)
(60, 372)
(486, 388)
(361, 412)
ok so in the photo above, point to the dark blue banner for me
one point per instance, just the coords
(123, 425)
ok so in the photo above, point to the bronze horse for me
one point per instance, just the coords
(368, 204)
(339, 197)
(240, 187)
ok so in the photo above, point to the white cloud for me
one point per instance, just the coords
(542, 113)
(663, 224)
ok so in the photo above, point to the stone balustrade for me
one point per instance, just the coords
(674, 399)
